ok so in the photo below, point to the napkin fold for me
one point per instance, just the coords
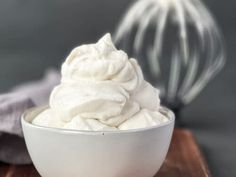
(12, 105)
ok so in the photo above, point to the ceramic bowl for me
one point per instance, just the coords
(73, 153)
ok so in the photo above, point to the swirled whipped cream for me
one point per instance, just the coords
(101, 89)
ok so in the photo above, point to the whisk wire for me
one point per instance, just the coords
(158, 40)
(145, 21)
(190, 75)
(180, 13)
(174, 75)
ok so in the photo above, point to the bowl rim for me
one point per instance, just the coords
(169, 113)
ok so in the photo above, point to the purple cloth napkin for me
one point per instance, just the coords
(12, 105)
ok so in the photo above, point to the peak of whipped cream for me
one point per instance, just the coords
(101, 89)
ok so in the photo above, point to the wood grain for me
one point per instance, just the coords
(184, 159)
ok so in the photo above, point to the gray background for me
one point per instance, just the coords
(35, 35)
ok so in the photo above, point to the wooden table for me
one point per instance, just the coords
(184, 159)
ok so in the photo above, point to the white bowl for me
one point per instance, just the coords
(72, 153)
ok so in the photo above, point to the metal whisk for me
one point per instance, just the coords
(178, 44)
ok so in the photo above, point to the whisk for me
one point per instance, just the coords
(178, 44)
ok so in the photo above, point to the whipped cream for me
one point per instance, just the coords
(101, 89)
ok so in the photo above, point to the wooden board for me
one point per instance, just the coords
(184, 159)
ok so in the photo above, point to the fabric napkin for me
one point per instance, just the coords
(12, 105)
